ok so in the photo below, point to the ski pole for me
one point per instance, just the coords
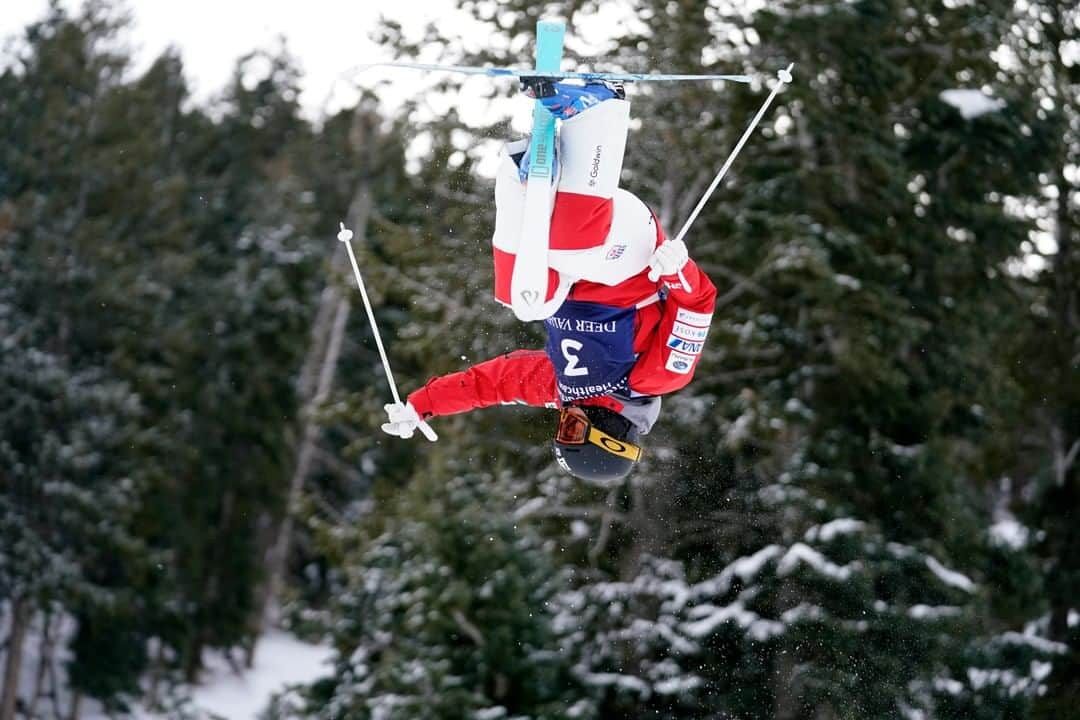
(785, 78)
(345, 235)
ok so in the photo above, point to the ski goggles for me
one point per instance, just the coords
(575, 429)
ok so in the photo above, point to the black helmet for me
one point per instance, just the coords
(595, 443)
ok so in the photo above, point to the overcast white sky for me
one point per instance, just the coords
(327, 36)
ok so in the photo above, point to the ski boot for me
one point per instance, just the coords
(565, 100)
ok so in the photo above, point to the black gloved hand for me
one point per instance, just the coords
(537, 87)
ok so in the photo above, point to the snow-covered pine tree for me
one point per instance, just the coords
(448, 613)
(882, 288)
(71, 490)
(158, 257)
(259, 250)
(1039, 58)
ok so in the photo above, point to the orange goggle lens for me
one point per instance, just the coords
(573, 426)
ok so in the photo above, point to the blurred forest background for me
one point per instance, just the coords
(865, 506)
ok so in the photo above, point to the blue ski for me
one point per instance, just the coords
(529, 72)
(528, 284)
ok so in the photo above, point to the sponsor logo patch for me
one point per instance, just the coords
(693, 318)
(689, 332)
(680, 363)
(596, 167)
(687, 346)
(616, 252)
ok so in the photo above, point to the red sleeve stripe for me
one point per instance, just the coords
(504, 274)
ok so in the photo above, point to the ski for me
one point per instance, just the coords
(528, 284)
(555, 73)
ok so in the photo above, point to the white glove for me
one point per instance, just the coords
(668, 259)
(404, 421)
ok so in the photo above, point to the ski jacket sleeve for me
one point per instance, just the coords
(669, 354)
(522, 377)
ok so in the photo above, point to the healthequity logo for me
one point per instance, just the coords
(571, 392)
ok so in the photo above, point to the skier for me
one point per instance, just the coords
(628, 311)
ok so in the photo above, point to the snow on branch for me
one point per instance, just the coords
(950, 577)
(624, 682)
(804, 554)
(757, 627)
(830, 530)
(1009, 680)
(1009, 533)
(971, 103)
(1033, 641)
(678, 685)
(744, 568)
(932, 612)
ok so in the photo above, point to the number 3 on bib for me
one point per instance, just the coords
(572, 367)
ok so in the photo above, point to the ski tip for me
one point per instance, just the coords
(551, 23)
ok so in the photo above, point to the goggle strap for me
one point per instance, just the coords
(613, 446)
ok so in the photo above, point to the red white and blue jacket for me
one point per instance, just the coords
(607, 345)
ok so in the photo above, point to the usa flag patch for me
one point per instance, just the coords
(616, 252)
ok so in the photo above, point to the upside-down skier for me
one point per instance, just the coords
(627, 310)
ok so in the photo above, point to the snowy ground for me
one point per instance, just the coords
(280, 660)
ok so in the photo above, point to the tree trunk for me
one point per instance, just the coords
(193, 650)
(321, 363)
(157, 668)
(325, 351)
(76, 704)
(786, 698)
(48, 644)
(316, 380)
(20, 622)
